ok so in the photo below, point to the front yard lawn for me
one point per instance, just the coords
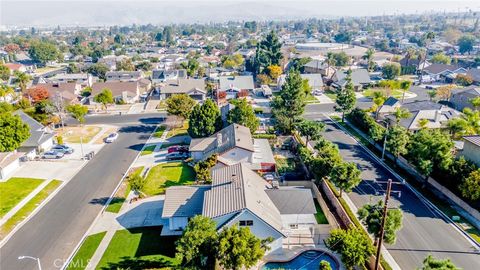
(396, 93)
(147, 150)
(320, 216)
(159, 132)
(285, 164)
(331, 94)
(168, 174)
(311, 99)
(28, 208)
(86, 251)
(122, 193)
(15, 190)
(139, 248)
(73, 134)
(178, 131)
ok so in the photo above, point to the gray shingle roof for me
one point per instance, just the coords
(236, 188)
(236, 82)
(183, 86)
(439, 68)
(234, 135)
(292, 200)
(183, 201)
(37, 132)
(475, 139)
(359, 76)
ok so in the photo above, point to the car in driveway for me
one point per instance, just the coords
(177, 148)
(111, 138)
(62, 148)
(176, 156)
(52, 155)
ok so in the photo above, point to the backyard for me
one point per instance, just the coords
(168, 174)
(320, 216)
(17, 189)
(284, 164)
(139, 248)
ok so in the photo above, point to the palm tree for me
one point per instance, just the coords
(428, 38)
(369, 57)
(409, 55)
(330, 61)
(5, 90)
(432, 94)
(401, 113)
(22, 79)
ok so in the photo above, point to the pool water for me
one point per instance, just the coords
(307, 260)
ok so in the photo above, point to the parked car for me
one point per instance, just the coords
(268, 177)
(176, 156)
(62, 148)
(177, 148)
(111, 138)
(52, 155)
(317, 92)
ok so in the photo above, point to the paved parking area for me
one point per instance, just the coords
(60, 169)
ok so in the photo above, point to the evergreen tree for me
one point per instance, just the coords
(13, 132)
(268, 53)
(244, 115)
(371, 216)
(204, 120)
(346, 97)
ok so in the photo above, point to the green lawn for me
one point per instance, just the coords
(28, 208)
(311, 99)
(122, 193)
(396, 93)
(139, 248)
(159, 132)
(148, 150)
(331, 94)
(86, 251)
(285, 164)
(179, 131)
(15, 190)
(320, 216)
(168, 174)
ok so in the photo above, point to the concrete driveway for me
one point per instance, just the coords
(61, 169)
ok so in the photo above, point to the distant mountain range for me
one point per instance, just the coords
(20, 13)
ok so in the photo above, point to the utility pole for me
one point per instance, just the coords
(385, 142)
(382, 228)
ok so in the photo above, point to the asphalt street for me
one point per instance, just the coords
(424, 230)
(58, 227)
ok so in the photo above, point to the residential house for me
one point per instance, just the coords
(239, 196)
(128, 92)
(315, 80)
(162, 75)
(234, 144)
(9, 162)
(360, 79)
(471, 148)
(68, 92)
(195, 88)
(437, 115)
(475, 74)
(84, 79)
(216, 72)
(318, 66)
(390, 105)
(15, 67)
(40, 140)
(233, 85)
(442, 72)
(124, 76)
(461, 98)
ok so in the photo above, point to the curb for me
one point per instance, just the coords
(77, 247)
(411, 188)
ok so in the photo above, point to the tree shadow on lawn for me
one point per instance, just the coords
(132, 263)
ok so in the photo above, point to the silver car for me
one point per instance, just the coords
(52, 155)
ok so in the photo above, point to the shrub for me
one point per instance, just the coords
(59, 139)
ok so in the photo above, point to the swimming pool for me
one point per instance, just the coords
(307, 260)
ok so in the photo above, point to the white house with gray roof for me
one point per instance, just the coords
(195, 88)
(232, 85)
(234, 144)
(239, 196)
(360, 79)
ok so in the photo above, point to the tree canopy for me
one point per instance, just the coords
(310, 129)
(78, 111)
(371, 216)
(180, 105)
(431, 263)
(244, 115)
(268, 53)
(105, 97)
(346, 98)
(204, 120)
(43, 51)
(354, 246)
(345, 176)
(13, 132)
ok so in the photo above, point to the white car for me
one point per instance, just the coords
(111, 138)
(52, 155)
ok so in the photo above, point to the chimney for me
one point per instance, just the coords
(438, 113)
(219, 139)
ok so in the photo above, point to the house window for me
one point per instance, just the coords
(293, 226)
(245, 222)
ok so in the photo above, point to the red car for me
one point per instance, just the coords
(177, 148)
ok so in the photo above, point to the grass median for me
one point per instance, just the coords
(83, 256)
(28, 208)
(122, 193)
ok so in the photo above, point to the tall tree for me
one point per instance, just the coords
(244, 115)
(204, 120)
(180, 105)
(22, 79)
(354, 246)
(371, 216)
(4, 72)
(13, 132)
(289, 105)
(401, 113)
(397, 140)
(37, 93)
(238, 248)
(125, 65)
(465, 44)
(345, 176)
(470, 186)
(346, 97)
(43, 51)
(391, 71)
(431, 263)
(310, 129)
(327, 158)
(78, 111)
(197, 246)
(368, 56)
(268, 53)
(105, 97)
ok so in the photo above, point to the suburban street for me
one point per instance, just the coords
(424, 231)
(53, 233)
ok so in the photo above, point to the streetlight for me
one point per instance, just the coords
(32, 258)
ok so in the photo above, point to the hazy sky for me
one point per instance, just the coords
(23, 13)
